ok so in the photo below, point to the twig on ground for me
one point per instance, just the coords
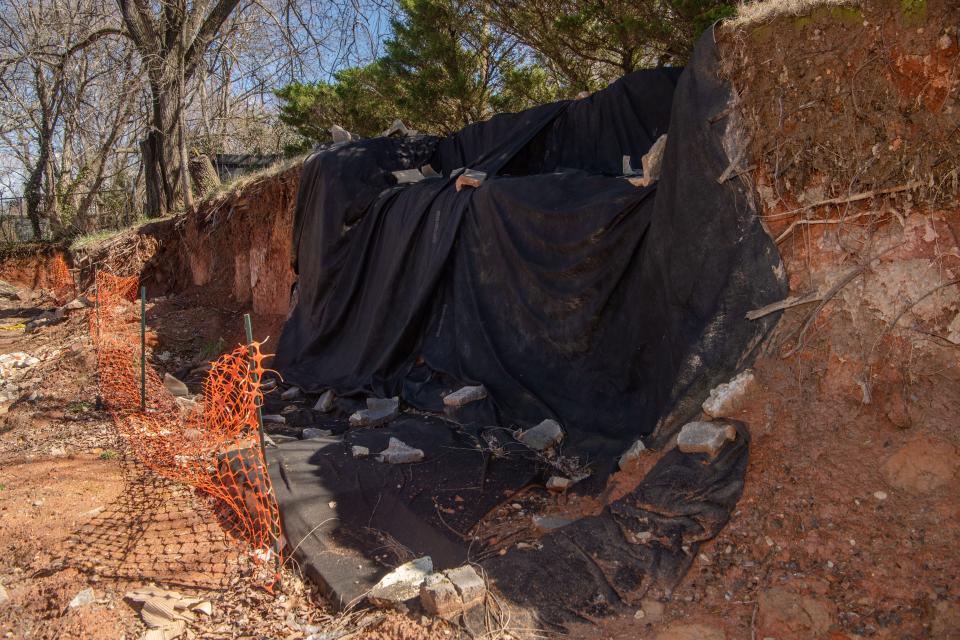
(856, 197)
(805, 221)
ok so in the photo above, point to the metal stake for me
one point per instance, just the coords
(143, 349)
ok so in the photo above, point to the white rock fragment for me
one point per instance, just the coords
(174, 386)
(359, 452)
(468, 584)
(705, 437)
(325, 402)
(401, 584)
(439, 597)
(727, 399)
(378, 411)
(543, 436)
(559, 483)
(272, 418)
(292, 393)
(632, 454)
(83, 598)
(398, 452)
(465, 396)
(310, 433)
(4, 598)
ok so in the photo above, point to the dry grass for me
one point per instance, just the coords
(751, 13)
(235, 187)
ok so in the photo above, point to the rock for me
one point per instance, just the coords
(339, 134)
(880, 495)
(292, 393)
(632, 454)
(439, 597)
(652, 163)
(679, 631)
(76, 304)
(8, 291)
(325, 402)
(652, 610)
(359, 452)
(290, 408)
(316, 433)
(545, 524)
(174, 386)
(468, 584)
(187, 405)
(470, 178)
(401, 584)
(559, 483)
(57, 452)
(705, 437)
(398, 452)
(83, 598)
(272, 418)
(378, 411)
(921, 465)
(727, 399)
(465, 396)
(789, 616)
(543, 436)
(4, 598)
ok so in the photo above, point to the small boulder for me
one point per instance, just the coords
(398, 452)
(543, 436)
(559, 483)
(82, 599)
(921, 465)
(468, 584)
(727, 399)
(310, 433)
(705, 437)
(632, 454)
(272, 418)
(325, 402)
(379, 411)
(293, 393)
(465, 396)
(439, 597)
(359, 452)
(401, 584)
(174, 386)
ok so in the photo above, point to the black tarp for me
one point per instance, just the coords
(564, 289)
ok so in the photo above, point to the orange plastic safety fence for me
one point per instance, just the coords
(213, 446)
(60, 279)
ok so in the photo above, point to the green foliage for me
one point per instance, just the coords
(444, 67)
(108, 454)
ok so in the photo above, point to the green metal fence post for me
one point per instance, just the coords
(143, 348)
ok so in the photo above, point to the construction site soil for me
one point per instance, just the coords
(849, 523)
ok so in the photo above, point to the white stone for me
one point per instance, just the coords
(705, 437)
(401, 584)
(439, 597)
(290, 394)
(359, 452)
(83, 598)
(727, 399)
(468, 584)
(272, 418)
(311, 433)
(378, 411)
(174, 386)
(559, 483)
(632, 454)
(543, 436)
(398, 452)
(465, 396)
(325, 401)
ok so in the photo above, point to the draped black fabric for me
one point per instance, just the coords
(567, 291)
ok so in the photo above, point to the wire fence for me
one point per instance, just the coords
(213, 444)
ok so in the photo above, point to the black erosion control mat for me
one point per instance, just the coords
(563, 288)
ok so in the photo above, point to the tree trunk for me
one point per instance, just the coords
(204, 175)
(161, 151)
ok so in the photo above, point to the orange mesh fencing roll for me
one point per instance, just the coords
(212, 444)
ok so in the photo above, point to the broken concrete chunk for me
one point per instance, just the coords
(325, 401)
(545, 524)
(82, 599)
(464, 396)
(339, 134)
(632, 454)
(174, 386)
(468, 584)
(727, 399)
(408, 176)
(310, 433)
(290, 394)
(439, 597)
(378, 411)
(470, 178)
(401, 584)
(398, 452)
(543, 436)
(705, 437)
(359, 452)
(559, 483)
